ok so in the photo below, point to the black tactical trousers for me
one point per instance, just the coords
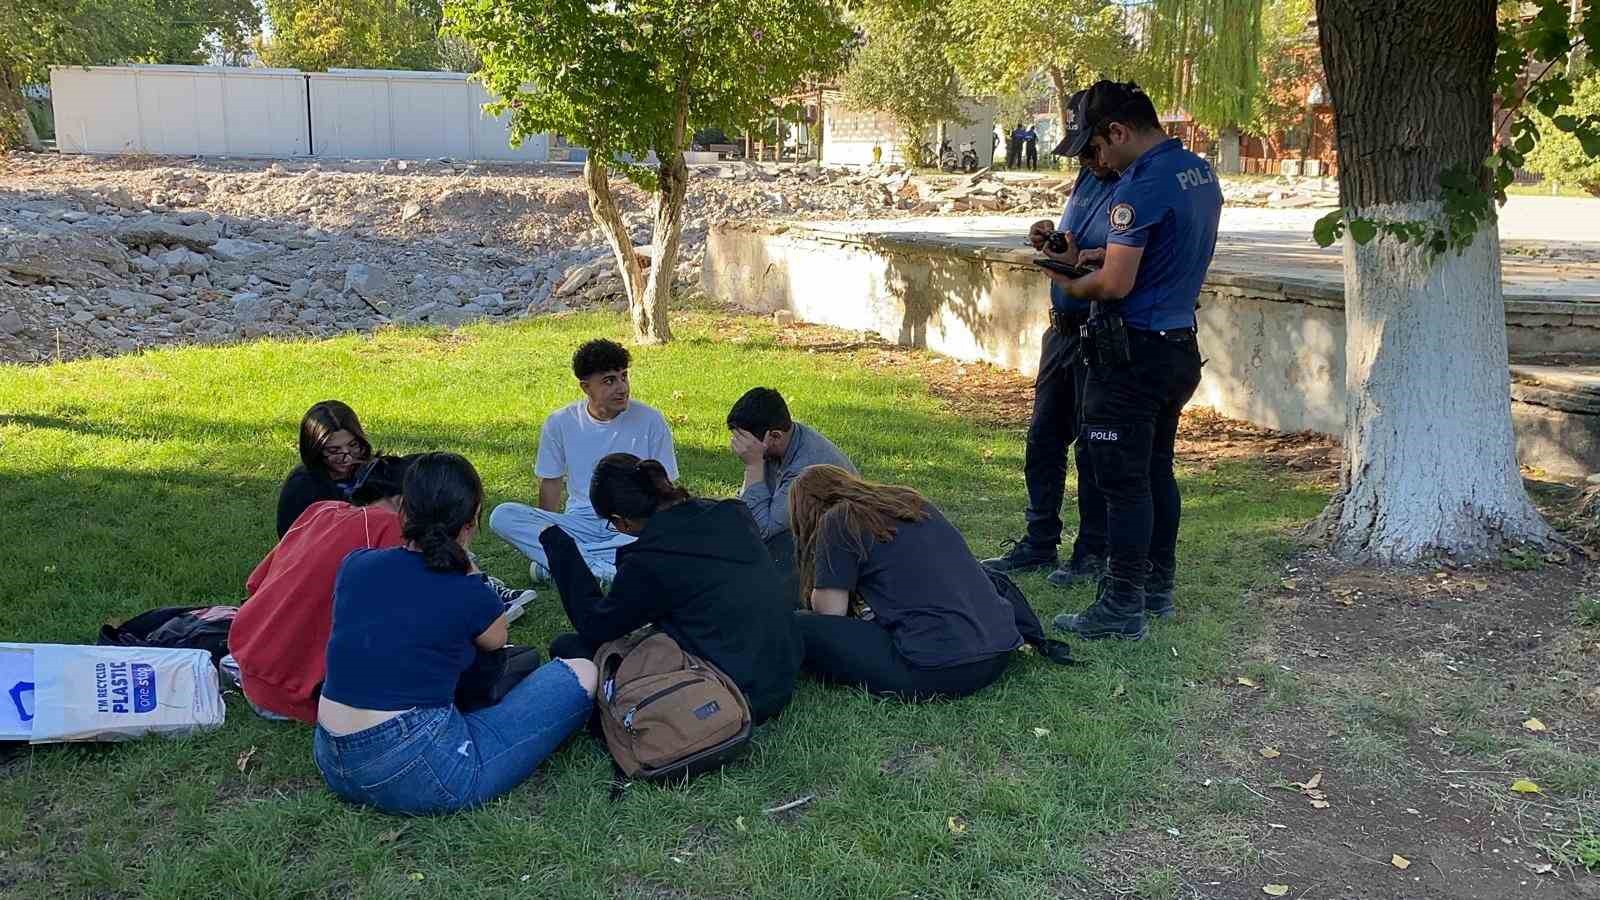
(1057, 401)
(1130, 421)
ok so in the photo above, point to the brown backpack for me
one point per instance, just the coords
(665, 712)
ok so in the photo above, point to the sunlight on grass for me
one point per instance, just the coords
(151, 480)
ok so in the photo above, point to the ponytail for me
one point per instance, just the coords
(440, 551)
(653, 477)
(625, 485)
(442, 495)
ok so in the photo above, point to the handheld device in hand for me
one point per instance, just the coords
(1045, 262)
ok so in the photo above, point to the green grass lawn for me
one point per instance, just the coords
(146, 481)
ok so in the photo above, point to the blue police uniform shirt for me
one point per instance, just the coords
(1086, 217)
(1169, 203)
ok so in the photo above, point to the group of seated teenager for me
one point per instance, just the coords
(366, 615)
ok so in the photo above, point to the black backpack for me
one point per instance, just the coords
(182, 627)
(1028, 623)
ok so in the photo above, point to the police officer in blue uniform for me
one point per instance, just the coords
(1144, 363)
(1058, 389)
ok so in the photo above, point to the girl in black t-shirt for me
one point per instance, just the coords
(332, 449)
(939, 627)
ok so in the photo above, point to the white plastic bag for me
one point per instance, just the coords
(83, 693)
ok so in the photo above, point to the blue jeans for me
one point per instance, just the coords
(519, 524)
(438, 759)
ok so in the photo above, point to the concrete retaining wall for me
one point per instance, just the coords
(1274, 346)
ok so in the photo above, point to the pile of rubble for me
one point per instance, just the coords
(112, 255)
(1285, 192)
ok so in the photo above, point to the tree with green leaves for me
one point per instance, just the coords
(317, 35)
(1558, 155)
(1288, 62)
(1000, 44)
(1429, 453)
(902, 68)
(633, 77)
(37, 34)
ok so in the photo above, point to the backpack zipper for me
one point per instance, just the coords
(627, 718)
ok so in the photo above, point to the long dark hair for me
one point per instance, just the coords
(321, 421)
(625, 485)
(443, 494)
(381, 478)
(869, 513)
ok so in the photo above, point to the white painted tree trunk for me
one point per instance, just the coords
(1430, 457)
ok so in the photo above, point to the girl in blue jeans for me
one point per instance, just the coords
(407, 621)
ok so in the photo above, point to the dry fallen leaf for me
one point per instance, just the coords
(1399, 862)
(1320, 804)
(1311, 783)
(956, 825)
(1524, 786)
(1438, 731)
(1534, 725)
(1269, 753)
(1041, 732)
(388, 837)
(416, 876)
(1540, 868)
(1275, 890)
(1119, 690)
(739, 824)
(246, 758)
(1246, 682)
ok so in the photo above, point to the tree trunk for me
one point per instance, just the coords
(16, 127)
(1060, 94)
(1228, 155)
(650, 310)
(1429, 455)
(603, 206)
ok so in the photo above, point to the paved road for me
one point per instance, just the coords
(1563, 231)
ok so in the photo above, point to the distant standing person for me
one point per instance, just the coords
(775, 449)
(1014, 148)
(332, 448)
(573, 440)
(1030, 147)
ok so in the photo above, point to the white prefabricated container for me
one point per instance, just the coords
(180, 110)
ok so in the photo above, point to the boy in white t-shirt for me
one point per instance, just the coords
(572, 441)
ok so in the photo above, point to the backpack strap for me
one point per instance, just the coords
(1028, 622)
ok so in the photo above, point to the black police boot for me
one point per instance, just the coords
(1022, 557)
(1079, 569)
(1158, 587)
(1117, 612)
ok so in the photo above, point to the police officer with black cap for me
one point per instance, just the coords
(1144, 363)
(1058, 388)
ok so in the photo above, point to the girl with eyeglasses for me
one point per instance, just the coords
(332, 450)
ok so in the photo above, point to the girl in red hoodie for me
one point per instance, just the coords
(280, 638)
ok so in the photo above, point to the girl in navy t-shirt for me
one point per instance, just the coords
(407, 622)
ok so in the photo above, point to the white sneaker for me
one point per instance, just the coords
(518, 605)
(538, 572)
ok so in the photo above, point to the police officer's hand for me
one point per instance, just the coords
(1039, 231)
(1096, 256)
